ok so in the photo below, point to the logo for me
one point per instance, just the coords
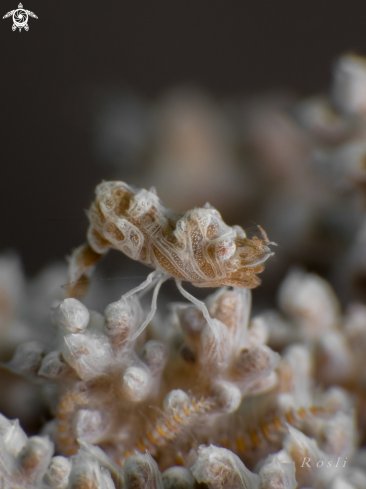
(20, 18)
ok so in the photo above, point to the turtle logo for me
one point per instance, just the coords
(20, 18)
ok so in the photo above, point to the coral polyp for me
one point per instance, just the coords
(160, 395)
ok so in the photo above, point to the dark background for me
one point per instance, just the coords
(48, 167)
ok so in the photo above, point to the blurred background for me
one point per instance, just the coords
(181, 95)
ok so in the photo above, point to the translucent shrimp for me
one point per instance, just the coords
(195, 246)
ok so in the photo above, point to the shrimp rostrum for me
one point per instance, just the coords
(195, 246)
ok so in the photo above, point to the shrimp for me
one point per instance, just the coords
(195, 246)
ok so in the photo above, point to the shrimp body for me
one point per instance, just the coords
(196, 246)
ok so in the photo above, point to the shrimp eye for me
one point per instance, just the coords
(225, 249)
(212, 230)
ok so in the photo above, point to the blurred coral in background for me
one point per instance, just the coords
(294, 167)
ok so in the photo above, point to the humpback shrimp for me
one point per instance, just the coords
(195, 246)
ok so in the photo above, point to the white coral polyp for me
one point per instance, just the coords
(71, 315)
(136, 384)
(219, 467)
(88, 354)
(90, 425)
